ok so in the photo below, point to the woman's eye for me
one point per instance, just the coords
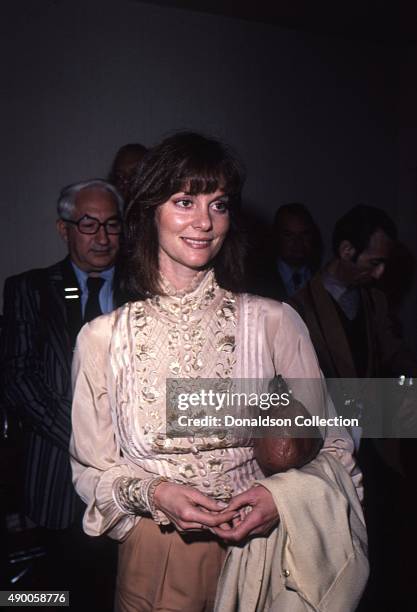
(184, 203)
(220, 206)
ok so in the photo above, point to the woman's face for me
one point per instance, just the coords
(191, 231)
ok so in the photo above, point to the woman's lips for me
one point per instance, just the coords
(197, 243)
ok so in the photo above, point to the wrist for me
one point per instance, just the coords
(158, 492)
(158, 516)
(136, 496)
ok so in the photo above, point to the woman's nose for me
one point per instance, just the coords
(202, 219)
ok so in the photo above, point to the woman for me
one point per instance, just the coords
(174, 502)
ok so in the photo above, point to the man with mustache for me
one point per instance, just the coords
(44, 310)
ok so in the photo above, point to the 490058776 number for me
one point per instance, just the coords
(34, 598)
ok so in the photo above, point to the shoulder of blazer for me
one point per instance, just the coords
(27, 300)
(26, 285)
(32, 278)
(48, 282)
(42, 289)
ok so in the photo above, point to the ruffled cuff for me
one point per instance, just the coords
(135, 496)
(103, 515)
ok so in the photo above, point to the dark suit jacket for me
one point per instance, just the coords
(263, 277)
(39, 331)
(387, 353)
(386, 494)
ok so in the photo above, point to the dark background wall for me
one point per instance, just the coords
(326, 120)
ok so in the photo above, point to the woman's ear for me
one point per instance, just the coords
(346, 251)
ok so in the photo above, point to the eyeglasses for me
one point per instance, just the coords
(91, 225)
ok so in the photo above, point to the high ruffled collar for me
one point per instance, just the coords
(194, 287)
(187, 304)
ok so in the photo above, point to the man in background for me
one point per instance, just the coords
(347, 316)
(298, 247)
(124, 166)
(43, 311)
(291, 254)
(356, 338)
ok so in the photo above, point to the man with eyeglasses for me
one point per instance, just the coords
(44, 310)
(89, 222)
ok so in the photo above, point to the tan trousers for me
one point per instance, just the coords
(160, 570)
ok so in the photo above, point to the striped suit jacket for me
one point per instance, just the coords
(39, 331)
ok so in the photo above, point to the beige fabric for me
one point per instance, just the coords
(269, 338)
(272, 338)
(315, 560)
(185, 335)
(162, 570)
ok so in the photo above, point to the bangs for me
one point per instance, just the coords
(198, 184)
(189, 163)
(207, 177)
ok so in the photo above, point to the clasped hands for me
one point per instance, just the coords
(250, 513)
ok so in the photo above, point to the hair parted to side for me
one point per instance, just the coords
(68, 195)
(190, 162)
(358, 225)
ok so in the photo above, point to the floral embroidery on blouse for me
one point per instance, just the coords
(179, 335)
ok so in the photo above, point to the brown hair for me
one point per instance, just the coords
(197, 164)
(358, 225)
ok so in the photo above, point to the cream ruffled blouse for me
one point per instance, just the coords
(121, 364)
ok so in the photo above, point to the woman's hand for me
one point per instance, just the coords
(255, 513)
(188, 508)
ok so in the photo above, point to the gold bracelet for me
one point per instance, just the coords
(158, 516)
(135, 496)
